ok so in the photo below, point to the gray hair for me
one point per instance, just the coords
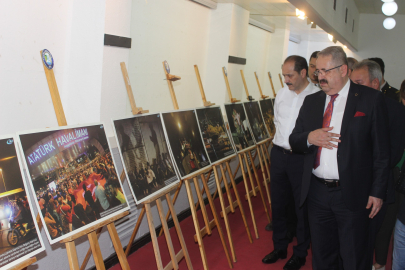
(338, 54)
(351, 62)
(374, 70)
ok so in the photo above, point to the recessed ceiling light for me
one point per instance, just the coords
(390, 8)
(330, 37)
(389, 23)
(387, 1)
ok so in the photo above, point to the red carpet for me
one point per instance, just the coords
(248, 256)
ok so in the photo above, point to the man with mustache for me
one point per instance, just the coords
(343, 131)
(312, 68)
(286, 165)
(368, 73)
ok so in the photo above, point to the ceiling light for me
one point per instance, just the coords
(300, 14)
(389, 9)
(387, 1)
(389, 23)
(330, 37)
(345, 46)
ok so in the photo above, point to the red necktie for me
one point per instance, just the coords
(326, 122)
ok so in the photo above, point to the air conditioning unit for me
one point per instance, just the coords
(208, 3)
(261, 25)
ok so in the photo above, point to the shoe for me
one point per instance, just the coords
(290, 236)
(294, 263)
(275, 255)
(269, 227)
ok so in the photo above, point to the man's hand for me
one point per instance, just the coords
(323, 138)
(376, 203)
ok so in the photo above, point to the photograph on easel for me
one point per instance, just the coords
(185, 141)
(239, 126)
(147, 161)
(74, 178)
(267, 108)
(256, 121)
(20, 236)
(214, 133)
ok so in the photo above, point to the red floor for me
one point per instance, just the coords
(248, 256)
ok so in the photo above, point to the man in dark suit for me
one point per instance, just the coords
(344, 184)
(385, 88)
(368, 73)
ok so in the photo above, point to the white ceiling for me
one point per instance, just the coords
(374, 6)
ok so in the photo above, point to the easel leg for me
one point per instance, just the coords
(228, 192)
(203, 208)
(153, 237)
(95, 248)
(138, 224)
(167, 234)
(261, 153)
(196, 225)
(221, 199)
(72, 255)
(88, 254)
(176, 194)
(118, 247)
(184, 251)
(247, 192)
(214, 213)
(250, 175)
(260, 186)
(242, 212)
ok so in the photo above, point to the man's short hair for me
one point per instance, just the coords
(338, 55)
(402, 91)
(351, 62)
(374, 70)
(314, 55)
(300, 63)
(380, 62)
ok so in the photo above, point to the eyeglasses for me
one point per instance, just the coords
(324, 72)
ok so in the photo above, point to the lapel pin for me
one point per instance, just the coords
(356, 94)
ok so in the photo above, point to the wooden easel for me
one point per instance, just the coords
(175, 258)
(281, 80)
(271, 83)
(90, 232)
(260, 88)
(249, 97)
(208, 224)
(228, 88)
(24, 264)
(232, 204)
(205, 102)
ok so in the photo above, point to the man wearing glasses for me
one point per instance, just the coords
(286, 165)
(343, 131)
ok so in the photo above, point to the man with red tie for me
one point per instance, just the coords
(343, 131)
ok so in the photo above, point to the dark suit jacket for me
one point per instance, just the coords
(396, 117)
(363, 155)
(390, 92)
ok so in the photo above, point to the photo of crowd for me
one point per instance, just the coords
(266, 105)
(256, 121)
(145, 153)
(19, 236)
(215, 136)
(74, 178)
(239, 126)
(185, 141)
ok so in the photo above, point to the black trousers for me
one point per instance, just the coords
(286, 177)
(339, 235)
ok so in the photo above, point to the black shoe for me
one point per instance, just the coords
(269, 227)
(290, 236)
(294, 263)
(275, 255)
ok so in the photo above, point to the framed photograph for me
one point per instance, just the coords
(74, 178)
(256, 121)
(239, 126)
(20, 236)
(214, 133)
(186, 145)
(143, 148)
(267, 109)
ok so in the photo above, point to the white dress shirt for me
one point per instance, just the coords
(286, 109)
(328, 167)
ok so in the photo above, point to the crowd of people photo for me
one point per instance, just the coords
(81, 195)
